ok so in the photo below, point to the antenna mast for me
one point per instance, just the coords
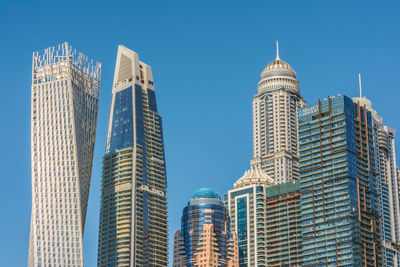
(359, 83)
(277, 50)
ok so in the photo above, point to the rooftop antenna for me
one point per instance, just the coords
(359, 83)
(277, 50)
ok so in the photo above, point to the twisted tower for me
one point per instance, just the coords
(65, 101)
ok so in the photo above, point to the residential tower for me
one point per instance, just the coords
(65, 101)
(133, 228)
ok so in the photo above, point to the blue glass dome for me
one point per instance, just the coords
(206, 193)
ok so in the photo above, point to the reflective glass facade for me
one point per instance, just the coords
(387, 185)
(122, 124)
(241, 204)
(204, 209)
(340, 225)
(133, 213)
(206, 215)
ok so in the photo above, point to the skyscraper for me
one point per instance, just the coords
(283, 225)
(246, 205)
(339, 217)
(266, 217)
(387, 185)
(133, 227)
(275, 122)
(205, 239)
(65, 100)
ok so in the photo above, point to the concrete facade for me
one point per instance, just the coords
(275, 122)
(65, 100)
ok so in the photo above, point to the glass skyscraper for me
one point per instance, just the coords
(133, 228)
(339, 217)
(205, 238)
(65, 101)
(387, 185)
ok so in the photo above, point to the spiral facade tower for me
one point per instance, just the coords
(65, 101)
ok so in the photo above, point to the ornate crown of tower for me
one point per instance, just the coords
(254, 176)
(278, 74)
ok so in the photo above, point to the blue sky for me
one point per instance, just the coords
(206, 58)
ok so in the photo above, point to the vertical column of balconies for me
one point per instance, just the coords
(337, 186)
(116, 209)
(366, 184)
(156, 255)
(283, 230)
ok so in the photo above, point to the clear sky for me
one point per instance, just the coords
(206, 58)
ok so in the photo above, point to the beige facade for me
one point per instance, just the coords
(275, 122)
(179, 257)
(208, 254)
(207, 251)
(65, 98)
(233, 251)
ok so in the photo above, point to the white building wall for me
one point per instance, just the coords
(65, 95)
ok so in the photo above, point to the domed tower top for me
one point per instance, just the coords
(205, 196)
(278, 74)
(206, 193)
(254, 176)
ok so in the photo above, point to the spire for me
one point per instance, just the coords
(359, 83)
(277, 50)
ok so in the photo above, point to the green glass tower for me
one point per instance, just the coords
(340, 224)
(133, 227)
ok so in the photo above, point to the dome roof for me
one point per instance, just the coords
(254, 176)
(206, 193)
(278, 64)
(278, 74)
(278, 67)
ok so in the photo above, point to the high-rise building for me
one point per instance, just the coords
(133, 228)
(283, 225)
(387, 185)
(205, 238)
(65, 100)
(275, 122)
(339, 217)
(246, 205)
(179, 254)
(266, 218)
